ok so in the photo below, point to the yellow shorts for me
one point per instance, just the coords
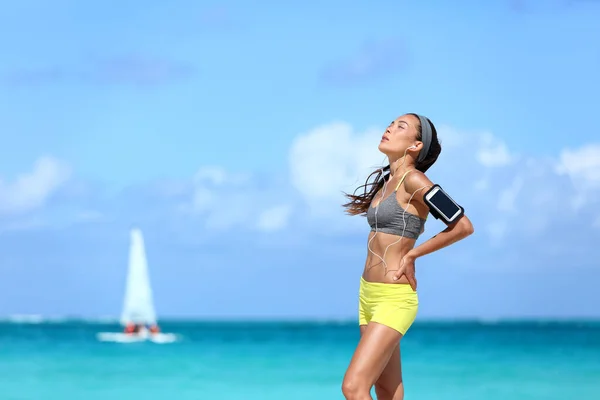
(392, 304)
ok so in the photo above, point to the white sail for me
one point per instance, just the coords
(138, 305)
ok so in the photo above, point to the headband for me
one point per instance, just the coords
(426, 136)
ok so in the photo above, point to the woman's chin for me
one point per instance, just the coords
(384, 148)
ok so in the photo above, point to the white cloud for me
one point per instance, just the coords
(582, 166)
(481, 184)
(274, 219)
(211, 187)
(332, 158)
(212, 174)
(221, 200)
(493, 152)
(497, 230)
(508, 197)
(31, 190)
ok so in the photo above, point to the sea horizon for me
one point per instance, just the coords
(40, 318)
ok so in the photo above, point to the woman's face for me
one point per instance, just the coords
(399, 136)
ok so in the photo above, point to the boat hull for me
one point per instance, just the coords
(120, 337)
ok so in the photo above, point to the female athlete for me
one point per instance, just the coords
(396, 211)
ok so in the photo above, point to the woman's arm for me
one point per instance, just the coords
(419, 184)
(452, 234)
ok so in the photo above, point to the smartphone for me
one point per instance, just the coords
(442, 206)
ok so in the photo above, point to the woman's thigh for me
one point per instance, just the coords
(391, 376)
(375, 348)
(389, 383)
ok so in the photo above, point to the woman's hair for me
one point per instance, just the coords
(359, 204)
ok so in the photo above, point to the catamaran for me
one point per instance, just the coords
(138, 315)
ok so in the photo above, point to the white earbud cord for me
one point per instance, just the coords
(403, 220)
(382, 197)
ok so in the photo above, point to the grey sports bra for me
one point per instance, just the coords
(391, 217)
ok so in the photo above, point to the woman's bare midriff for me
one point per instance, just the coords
(375, 270)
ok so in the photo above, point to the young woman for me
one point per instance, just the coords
(396, 212)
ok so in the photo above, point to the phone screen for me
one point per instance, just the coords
(444, 204)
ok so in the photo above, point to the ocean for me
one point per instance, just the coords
(297, 360)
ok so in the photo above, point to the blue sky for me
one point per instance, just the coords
(226, 131)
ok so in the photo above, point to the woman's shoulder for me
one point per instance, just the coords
(416, 180)
(416, 185)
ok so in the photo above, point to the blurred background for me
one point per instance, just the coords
(227, 133)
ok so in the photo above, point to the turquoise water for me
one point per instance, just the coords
(265, 361)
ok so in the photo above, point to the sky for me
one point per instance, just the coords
(228, 131)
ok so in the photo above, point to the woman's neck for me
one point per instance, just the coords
(401, 165)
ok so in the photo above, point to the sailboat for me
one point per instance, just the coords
(138, 306)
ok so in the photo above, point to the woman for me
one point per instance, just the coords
(396, 212)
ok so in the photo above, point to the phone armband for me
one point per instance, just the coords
(442, 206)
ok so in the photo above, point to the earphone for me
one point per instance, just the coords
(382, 258)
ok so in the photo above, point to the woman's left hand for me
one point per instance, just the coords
(407, 267)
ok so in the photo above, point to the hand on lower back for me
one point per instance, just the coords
(407, 268)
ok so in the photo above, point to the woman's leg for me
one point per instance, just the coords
(370, 358)
(389, 386)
